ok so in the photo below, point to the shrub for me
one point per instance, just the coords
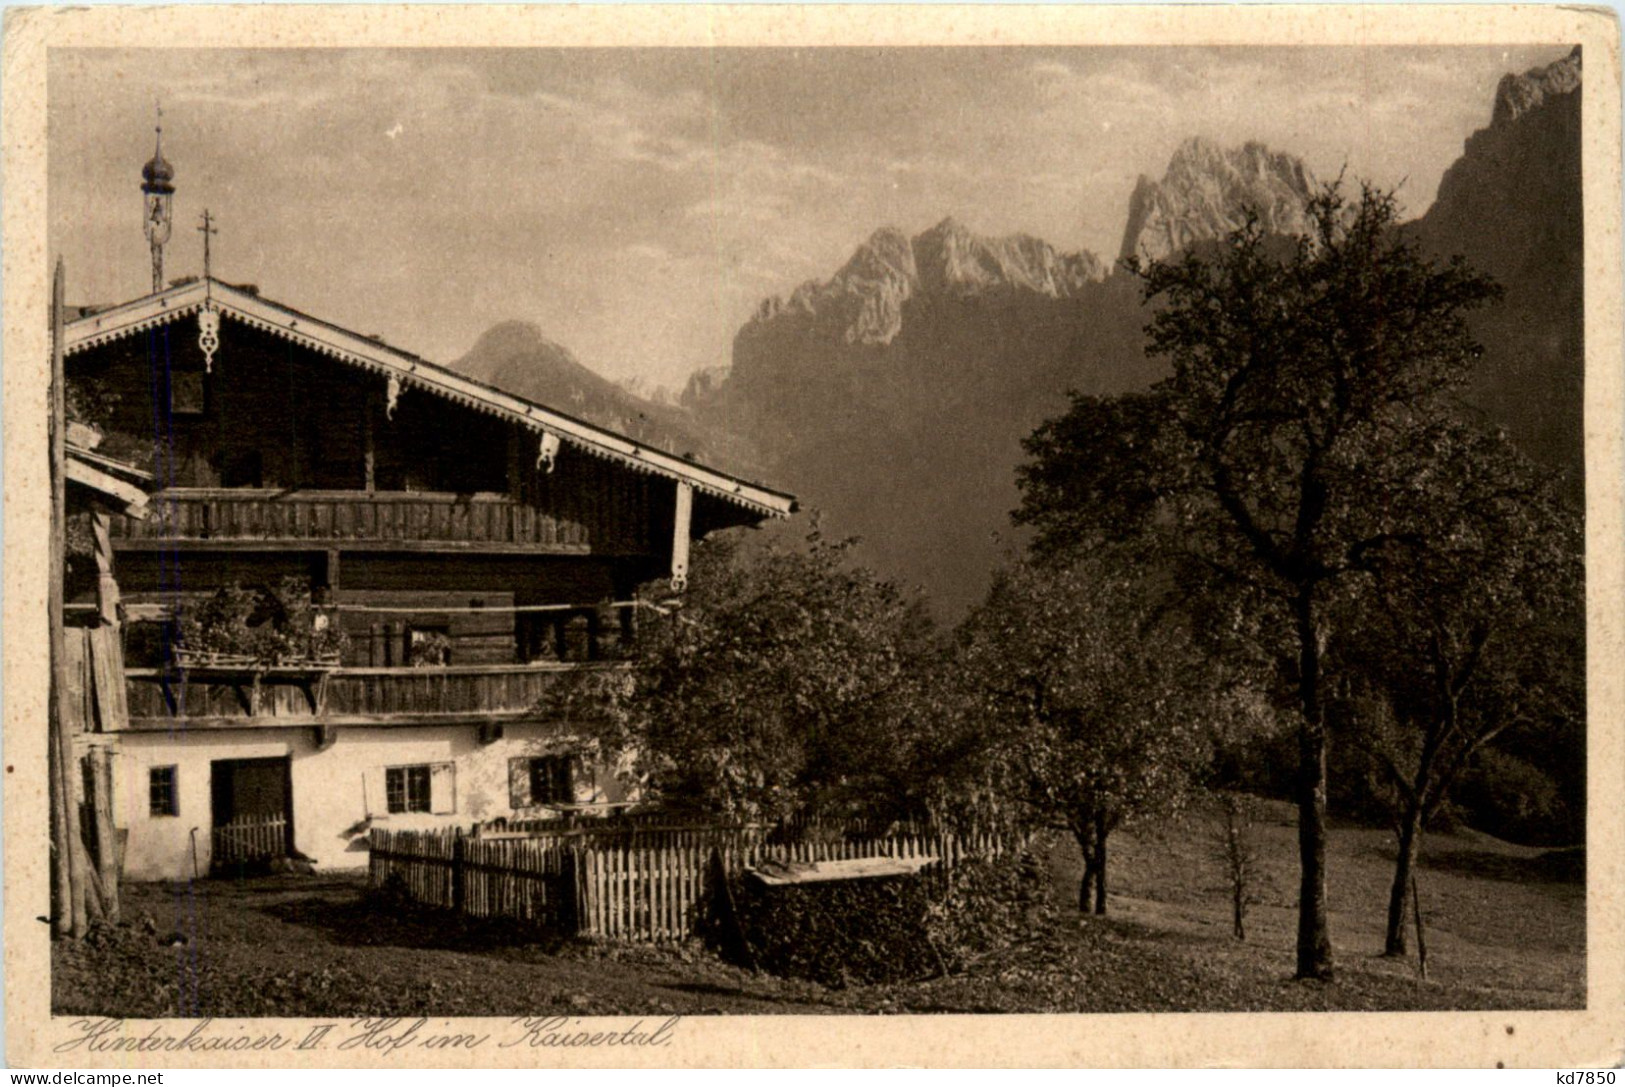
(1235, 846)
(1505, 796)
(984, 906)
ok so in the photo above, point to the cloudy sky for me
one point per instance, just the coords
(638, 204)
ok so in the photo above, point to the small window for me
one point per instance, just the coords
(187, 392)
(428, 646)
(425, 788)
(549, 779)
(163, 797)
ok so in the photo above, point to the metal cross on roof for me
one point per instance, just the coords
(206, 228)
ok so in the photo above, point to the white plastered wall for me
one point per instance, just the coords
(338, 791)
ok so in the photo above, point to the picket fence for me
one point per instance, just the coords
(249, 838)
(617, 887)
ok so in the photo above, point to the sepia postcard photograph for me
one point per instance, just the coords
(724, 536)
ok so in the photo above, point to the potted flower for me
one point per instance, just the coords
(247, 628)
(430, 649)
(218, 631)
(308, 633)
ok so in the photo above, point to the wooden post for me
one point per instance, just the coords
(101, 773)
(296, 475)
(516, 465)
(369, 456)
(679, 536)
(106, 585)
(569, 893)
(70, 918)
(459, 877)
(629, 623)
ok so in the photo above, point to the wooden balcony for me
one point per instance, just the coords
(164, 699)
(612, 522)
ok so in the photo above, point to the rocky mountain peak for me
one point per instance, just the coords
(887, 252)
(953, 260)
(1205, 192)
(863, 302)
(1512, 207)
(1518, 94)
(512, 341)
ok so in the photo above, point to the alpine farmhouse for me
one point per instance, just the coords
(454, 549)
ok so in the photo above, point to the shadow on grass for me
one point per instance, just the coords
(735, 992)
(357, 919)
(1553, 866)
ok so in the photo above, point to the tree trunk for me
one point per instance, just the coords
(1086, 885)
(1100, 866)
(1399, 896)
(1314, 935)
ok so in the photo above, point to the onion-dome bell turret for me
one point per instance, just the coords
(158, 176)
(157, 196)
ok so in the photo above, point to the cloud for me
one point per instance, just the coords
(639, 203)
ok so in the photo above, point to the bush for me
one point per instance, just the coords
(1505, 796)
(987, 905)
(1259, 763)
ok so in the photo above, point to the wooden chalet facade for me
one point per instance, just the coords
(469, 545)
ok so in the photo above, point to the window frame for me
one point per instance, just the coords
(399, 791)
(176, 406)
(416, 792)
(550, 780)
(170, 775)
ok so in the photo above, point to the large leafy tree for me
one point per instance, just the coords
(789, 681)
(1469, 629)
(1297, 367)
(1091, 702)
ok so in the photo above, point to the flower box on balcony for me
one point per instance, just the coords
(208, 658)
(324, 662)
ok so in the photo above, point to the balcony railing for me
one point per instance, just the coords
(226, 697)
(606, 523)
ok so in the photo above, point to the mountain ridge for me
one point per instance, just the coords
(516, 356)
(1205, 192)
(894, 395)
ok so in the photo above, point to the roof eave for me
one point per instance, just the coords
(356, 349)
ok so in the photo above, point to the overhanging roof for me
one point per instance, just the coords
(411, 370)
(111, 478)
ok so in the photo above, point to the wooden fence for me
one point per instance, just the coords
(250, 838)
(618, 888)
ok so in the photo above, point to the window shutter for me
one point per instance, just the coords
(375, 790)
(395, 790)
(563, 789)
(442, 788)
(519, 783)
